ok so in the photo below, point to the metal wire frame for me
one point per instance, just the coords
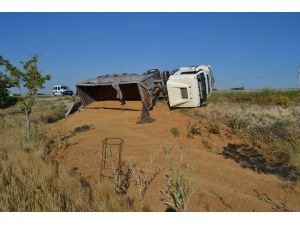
(106, 144)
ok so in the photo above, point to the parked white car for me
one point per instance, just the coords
(61, 90)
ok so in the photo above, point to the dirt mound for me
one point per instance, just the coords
(218, 184)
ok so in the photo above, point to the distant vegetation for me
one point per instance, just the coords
(264, 97)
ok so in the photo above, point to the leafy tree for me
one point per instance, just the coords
(3, 90)
(30, 79)
(4, 85)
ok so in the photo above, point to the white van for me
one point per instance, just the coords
(190, 86)
(61, 90)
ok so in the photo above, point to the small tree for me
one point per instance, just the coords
(3, 89)
(30, 79)
(4, 85)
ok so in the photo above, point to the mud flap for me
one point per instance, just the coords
(75, 107)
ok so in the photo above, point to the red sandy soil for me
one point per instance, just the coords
(217, 184)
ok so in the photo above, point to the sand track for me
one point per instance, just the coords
(218, 184)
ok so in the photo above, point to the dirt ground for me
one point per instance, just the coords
(217, 183)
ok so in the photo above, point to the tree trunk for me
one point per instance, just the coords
(28, 124)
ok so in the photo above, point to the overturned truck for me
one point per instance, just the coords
(185, 87)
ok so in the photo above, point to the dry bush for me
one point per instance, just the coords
(215, 125)
(143, 179)
(120, 176)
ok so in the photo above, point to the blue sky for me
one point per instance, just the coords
(255, 50)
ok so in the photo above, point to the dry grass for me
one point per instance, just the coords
(30, 182)
(280, 142)
(236, 122)
(268, 119)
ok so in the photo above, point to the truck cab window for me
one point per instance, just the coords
(184, 93)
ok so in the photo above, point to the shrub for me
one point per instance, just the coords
(206, 144)
(176, 194)
(283, 100)
(214, 126)
(236, 122)
(175, 131)
(3, 95)
(193, 131)
(5, 83)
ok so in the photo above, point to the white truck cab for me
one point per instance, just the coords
(190, 86)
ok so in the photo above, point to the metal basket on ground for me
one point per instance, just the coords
(111, 156)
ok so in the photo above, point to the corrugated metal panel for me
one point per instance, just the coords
(120, 78)
(133, 87)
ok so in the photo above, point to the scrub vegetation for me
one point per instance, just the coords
(264, 138)
(264, 97)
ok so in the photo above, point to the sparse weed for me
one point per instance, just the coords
(62, 139)
(143, 179)
(175, 131)
(119, 176)
(177, 192)
(193, 131)
(214, 126)
(207, 144)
